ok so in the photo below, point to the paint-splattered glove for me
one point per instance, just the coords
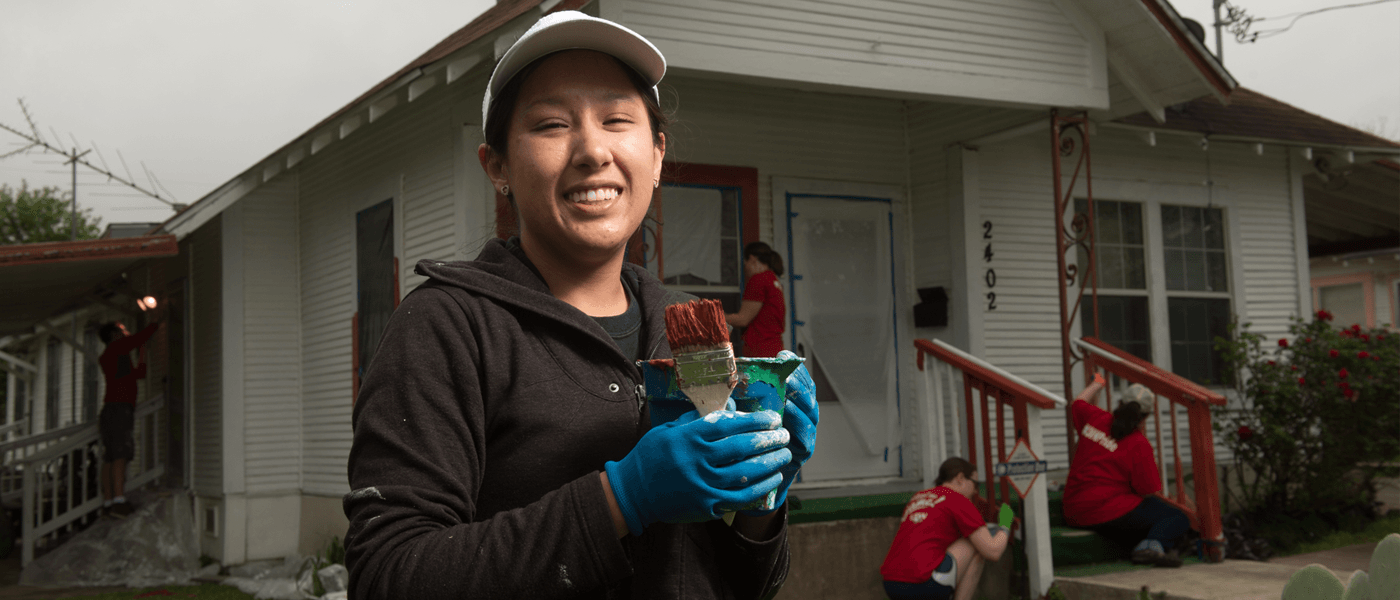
(800, 417)
(695, 469)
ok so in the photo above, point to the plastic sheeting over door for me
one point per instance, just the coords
(843, 303)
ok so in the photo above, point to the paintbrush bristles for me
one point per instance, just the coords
(696, 324)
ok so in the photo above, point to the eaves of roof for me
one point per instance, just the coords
(1256, 117)
(492, 19)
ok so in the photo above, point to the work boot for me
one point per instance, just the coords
(1149, 552)
(121, 510)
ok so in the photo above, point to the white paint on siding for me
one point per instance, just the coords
(271, 338)
(204, 246)
(1008, 50)
(407, 155)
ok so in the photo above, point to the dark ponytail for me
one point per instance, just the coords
(765, 255)
(952, 467)
(1126, 419)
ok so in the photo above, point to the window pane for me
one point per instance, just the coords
(1347, 303)
(1132, 222)
(1118, 244)
(1214, 229)
(1193, 249)
(699, 237)
(1123, 322)
(1106, 216)
(1195, 323)
(1171, 226)
(1215, 272)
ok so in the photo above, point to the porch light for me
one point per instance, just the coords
(146, 303)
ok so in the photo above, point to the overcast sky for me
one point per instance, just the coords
(200, 91)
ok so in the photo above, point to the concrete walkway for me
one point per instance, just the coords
(1230, 580)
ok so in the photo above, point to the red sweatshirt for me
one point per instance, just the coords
(116, 366)
(1107, 478)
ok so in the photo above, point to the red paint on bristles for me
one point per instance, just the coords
(696, 324)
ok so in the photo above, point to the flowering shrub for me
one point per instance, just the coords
(1321, 416)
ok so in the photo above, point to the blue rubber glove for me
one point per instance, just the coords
(800, 417)
(695, 469)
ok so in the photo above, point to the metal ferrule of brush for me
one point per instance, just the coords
(705, 367)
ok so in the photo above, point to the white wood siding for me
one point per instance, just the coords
(1004, 50)
(1022, 334)
(271, 339)
(203, 249)
(405, 155)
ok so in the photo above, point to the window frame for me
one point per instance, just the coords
(1158, 296)
(742, 179)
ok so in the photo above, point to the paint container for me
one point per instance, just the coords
(759, 378)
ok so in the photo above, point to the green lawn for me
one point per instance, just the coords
(208, 591)
(1372, 533)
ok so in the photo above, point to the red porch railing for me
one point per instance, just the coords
(992, 385)
(1204, 511)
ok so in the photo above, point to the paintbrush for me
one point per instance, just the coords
(699, 339)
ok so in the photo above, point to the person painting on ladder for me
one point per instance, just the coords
(118, 411)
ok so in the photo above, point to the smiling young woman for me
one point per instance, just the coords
(503, 444)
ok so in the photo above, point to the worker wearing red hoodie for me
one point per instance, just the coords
(118, 411)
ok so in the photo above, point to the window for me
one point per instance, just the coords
(694, 235)
(1193, 282)
(1124, 320)
(377, 285)
(1346, 302)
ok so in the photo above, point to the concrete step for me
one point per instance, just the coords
(1228, 580)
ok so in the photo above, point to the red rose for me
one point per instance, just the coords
(1245, 433)
(1272, 363)
(1350, 394)
(1282, 343)
(1342, 374)
(1365, 338)
(1308, 340)
(1333, 353)
(1363, 354)
(1292, 367)
(1356, 328)
(1302, 381)
(1324, 315)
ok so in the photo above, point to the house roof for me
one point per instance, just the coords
(1252, 115)
(502, 13)
(50, 278)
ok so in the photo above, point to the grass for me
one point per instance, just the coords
(1373, 532)
(208, 591)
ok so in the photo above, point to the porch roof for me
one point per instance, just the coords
(1254, 116)
(42, 280)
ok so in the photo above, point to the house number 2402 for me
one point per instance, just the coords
(991, 275)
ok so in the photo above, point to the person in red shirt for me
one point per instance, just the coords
(764, 311)
(942, 543)
(118, 410)
(1113, 481)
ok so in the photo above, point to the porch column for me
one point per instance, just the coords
(1039, 565)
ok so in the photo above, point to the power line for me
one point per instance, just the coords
(1239, 22)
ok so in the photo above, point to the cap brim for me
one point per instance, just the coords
(573, 30)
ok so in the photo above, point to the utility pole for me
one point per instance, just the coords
(1219, 45)
(73, 160)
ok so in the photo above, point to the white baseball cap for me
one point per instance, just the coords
(573, 30)
(1143, 397)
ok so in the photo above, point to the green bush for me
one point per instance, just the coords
(1317, 426)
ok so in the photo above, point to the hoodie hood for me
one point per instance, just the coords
(502, 273)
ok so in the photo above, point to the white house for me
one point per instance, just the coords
(885, 148)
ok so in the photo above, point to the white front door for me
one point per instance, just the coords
(842, 319)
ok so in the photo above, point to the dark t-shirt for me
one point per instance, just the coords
(625, 329)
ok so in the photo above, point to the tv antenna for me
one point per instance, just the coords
(76, 156)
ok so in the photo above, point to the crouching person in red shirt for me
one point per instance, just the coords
(1113, 481)
(942, 543)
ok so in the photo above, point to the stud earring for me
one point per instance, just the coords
(505, 190)
(656, 183)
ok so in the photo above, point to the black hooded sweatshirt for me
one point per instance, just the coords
(479, 434)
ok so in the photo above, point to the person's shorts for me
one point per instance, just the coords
(115, 425)
(938, 587)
